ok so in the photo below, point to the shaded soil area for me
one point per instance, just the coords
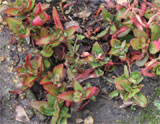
(103, 110)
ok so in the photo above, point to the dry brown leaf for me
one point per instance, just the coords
(21, 115)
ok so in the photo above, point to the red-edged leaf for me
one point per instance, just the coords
(45, 80)
(45, 40)
(137, 24)
(39, 63)
(27, 34)
(71, 30)
(91, 91)
(37, 105)
(51, 89)
(140, 99)
(12, 12)
(28, 62)
(31, 4)
(38, 9)
(56, 19)
(85, 74)
(121, 30)
(67, 96)
(59, 69)
(29, 81)
(37, 21)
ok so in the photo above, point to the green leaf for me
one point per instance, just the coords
(133, 92)
(59, 70)
(136, 43)
(143, 61)
(140, 33)
(51, 100)
(126, 85)
(107, 16)
(45, 40)
(115, 43)
(97, 49)
(152, 48)
(15, 25)
(47, 51)
(140, 99)
(70, 31)
(114, 94)
(135, 77)
(156, 69)
(103, 33)
(51, 89)
(77, 86)
(157, 103)
(155, 29)
(47, 64)
(126, 73)
(47, 111)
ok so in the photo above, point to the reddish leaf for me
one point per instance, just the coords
(121, 30)
(29, 81)
(56, 19)
(71, 30)
(51, 89)
(38, 9)
(59, 69)
(45, 80)
(91, 91)
(12, 12)
(45, 40)
(28, 62)
(37, 21)
(27, 34)
(67, 96)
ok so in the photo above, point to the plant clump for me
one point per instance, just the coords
(132, 36)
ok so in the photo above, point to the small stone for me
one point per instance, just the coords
(48, 1)
(79, 120)
(19, 49)
(1, 29)
(89, 120)
(5, 2)
(1, 19)
(4, 23)
(22, 96)
(3, 58)
(10, 69)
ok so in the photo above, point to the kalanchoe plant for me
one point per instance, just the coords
(79, 93)
(20, 7)
(52, 107)
(18, 28)
(119, 49)
(129, 89)
(31, 71)
(60, 36)
(152, 68)
(55, 76)
(38, 17)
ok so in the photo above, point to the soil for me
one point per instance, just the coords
(104, 110)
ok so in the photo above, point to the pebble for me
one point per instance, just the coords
(1, 19)
(10, 69)
(22, 96)
(89, 120)
(5, 2)
(79, 120)
(48, 1)
(4, 23)
(3, 58)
